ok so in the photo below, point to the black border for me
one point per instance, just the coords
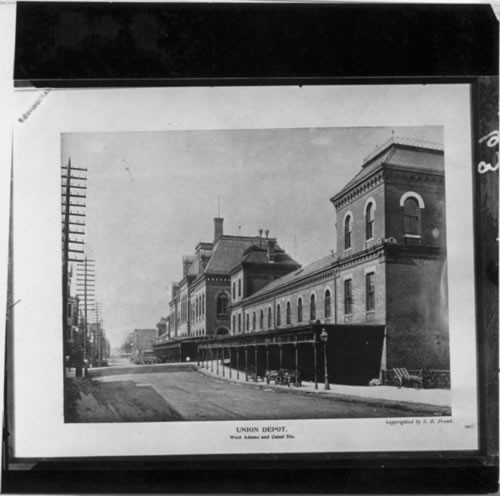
(61, 45)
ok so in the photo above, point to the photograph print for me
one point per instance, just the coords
(255, 274)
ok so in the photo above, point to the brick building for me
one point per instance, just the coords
(381, 298)
(200, 304)
(389, 269)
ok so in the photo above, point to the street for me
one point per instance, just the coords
(191, 395)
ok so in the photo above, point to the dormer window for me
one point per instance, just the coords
(348, 232)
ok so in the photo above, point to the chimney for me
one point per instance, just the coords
(270, 249)
(186, 265)
(218, 230)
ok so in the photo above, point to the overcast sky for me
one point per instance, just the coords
(152, 197)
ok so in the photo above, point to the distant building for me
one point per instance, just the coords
(142, 341)
(200, 305)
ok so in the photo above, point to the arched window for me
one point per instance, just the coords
(248, 322)
(288, 313)
(254, 322)
(222, 304)
(239, 287)
(369, 220)
(239, 322)
(347, 232)
(234, 290)
(269, 318)
(299, 310)
(411, 217)
(278, 315)
(328, 304)
(261, 320)
(312, 307)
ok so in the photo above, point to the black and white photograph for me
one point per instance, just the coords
(255, 274)
(245, 270)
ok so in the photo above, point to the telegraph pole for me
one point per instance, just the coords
(73, 187)
(85, 289)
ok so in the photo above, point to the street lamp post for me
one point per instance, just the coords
(324, 338)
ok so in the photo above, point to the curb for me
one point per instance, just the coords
(349, 398)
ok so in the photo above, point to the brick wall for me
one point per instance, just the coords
(357, 274)
(357, 208)
(213, 322)
(417, 314)
(431, 189)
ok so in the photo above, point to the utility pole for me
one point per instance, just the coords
(73, 191)
(85, 289)
(98, 333)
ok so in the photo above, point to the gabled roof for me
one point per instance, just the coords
(257, 255)
(399, 152)
(302, 273)
(228, 252)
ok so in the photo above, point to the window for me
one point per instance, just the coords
(239, 322)
(234, 324)
(278, 315)
(269, 318)
(248, 322)
(261, 320)
(411, 217)
(254, 322)
(348, 296)
(288, 313)
(328, 304)
(369, 218)
(312, 307)
(239, 287)
(234, 290)
(347, 232)
(299, 310)
(370, 291)
(222, 304)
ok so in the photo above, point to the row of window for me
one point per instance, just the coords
(369, 294)
(197, 307)
(222, 306)
(239, 289)
(411, 202)
(327, 302)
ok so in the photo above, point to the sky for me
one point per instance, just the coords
(152, 197)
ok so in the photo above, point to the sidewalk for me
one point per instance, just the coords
(382, 394)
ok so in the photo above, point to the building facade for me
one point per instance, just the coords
(201, 303)
(389, 268)
(381, 297)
